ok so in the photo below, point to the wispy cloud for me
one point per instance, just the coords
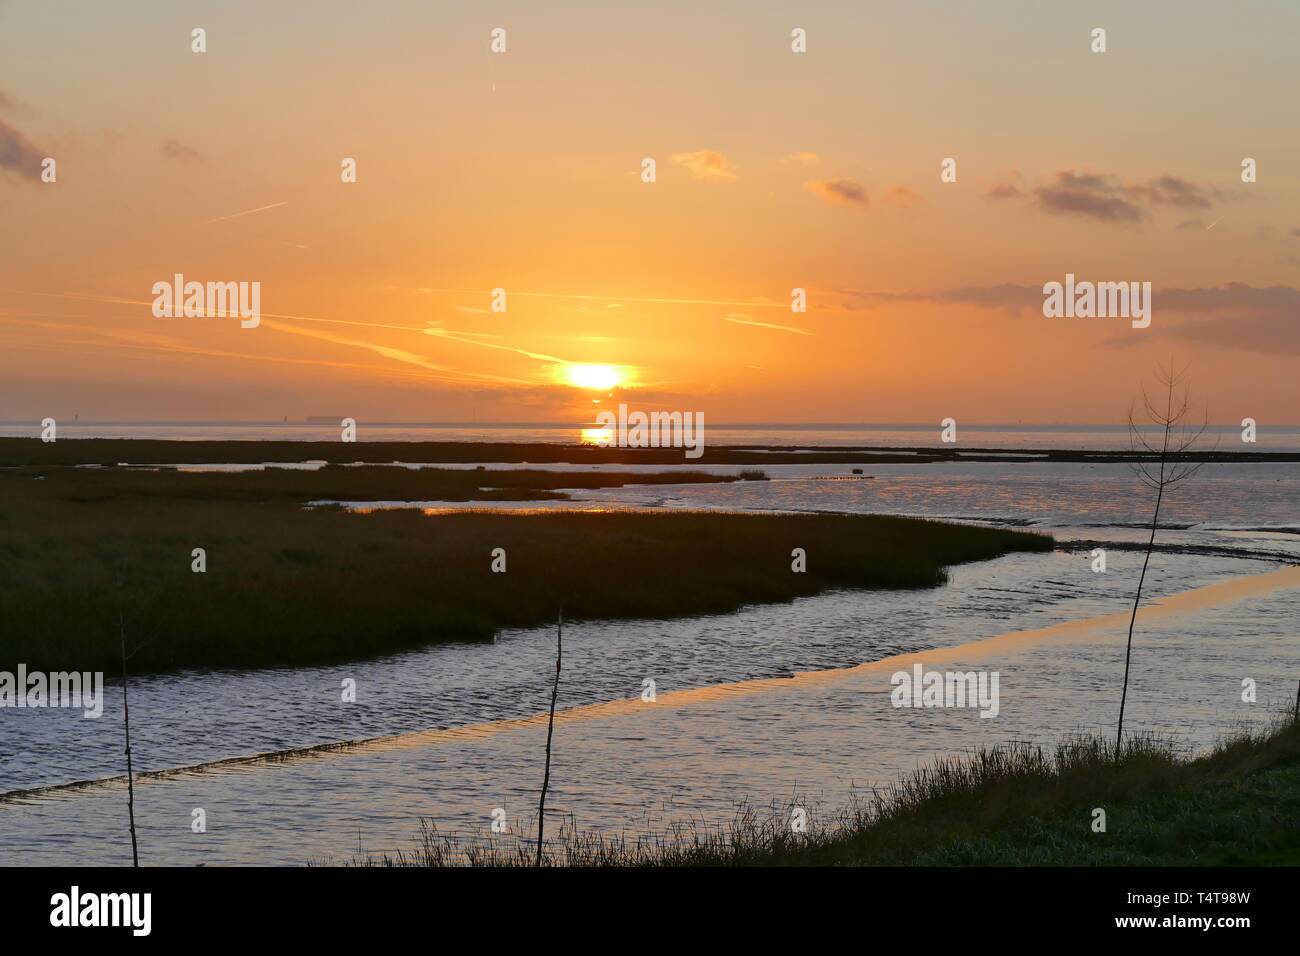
(841, 191)
(11, 105)
(901, 196)
(706, 164)
(1090, 195)
(54, 329)
(746, 320)
(18, 156)
(1008, 186)
(1259, 319)
(1004, 191)
(470, 339)
(1104, 197)
(438, 372)
(175, 149)
(614, 301)
(1172, 191)
(1009, 296)
(803, 159)
(271, 320)
(246, 212)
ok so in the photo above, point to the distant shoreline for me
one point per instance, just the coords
(332, 421)
(152, 451)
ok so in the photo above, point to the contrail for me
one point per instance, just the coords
(246, 212)
(391, 353)
(764, 325)
(749, 303)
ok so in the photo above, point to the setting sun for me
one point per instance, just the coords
(593, 376)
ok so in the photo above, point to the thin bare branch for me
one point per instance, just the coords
(1178, 438)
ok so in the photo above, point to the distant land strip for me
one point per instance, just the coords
(113, 451)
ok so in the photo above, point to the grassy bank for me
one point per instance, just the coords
(1013, 806)
(289, 586)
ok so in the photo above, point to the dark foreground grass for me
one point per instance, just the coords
(1008, 806)
(289, 586)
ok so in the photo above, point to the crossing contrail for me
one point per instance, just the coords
(246, 212)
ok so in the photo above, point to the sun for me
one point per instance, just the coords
(601, 436)
(600, 377)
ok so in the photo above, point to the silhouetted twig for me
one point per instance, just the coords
(550, 729)
(1169, 469)
(126, 706)
(126, 724)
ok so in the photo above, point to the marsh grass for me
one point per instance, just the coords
(291, 586)
(1009, 805)
(333, 482)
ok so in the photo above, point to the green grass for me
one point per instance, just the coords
(1010, 806)
(290, 586)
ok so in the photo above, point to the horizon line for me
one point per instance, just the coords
(321, 421)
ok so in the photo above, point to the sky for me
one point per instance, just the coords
(523, 171)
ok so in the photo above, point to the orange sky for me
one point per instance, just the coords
(521, 170)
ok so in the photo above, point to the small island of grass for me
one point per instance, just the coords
(288, 585)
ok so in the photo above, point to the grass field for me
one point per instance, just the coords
(285, 585)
